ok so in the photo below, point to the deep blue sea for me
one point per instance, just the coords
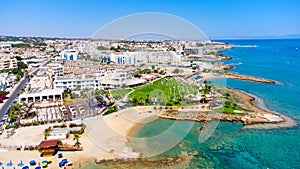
(231, 147)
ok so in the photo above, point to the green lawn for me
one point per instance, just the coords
(120, 93)
(166, 90)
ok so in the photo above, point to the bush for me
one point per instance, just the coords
(169, 104)
(60, 142)
(110, 110)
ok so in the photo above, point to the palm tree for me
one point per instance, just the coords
(36, 112)
(76, 138)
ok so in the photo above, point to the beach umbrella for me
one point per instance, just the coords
(20, 164)
(60, 155)
(1, 163)
(9, 164)
(38, 167)
(44, 164)
(64, 160)
(45, 161)
(32, 162)
(25, 167)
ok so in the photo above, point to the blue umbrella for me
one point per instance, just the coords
(20, 164)
(25, 167)
(9, 164)
(32, 162)
(64, 160)
(1, 163)
(45, 161)
(38, 167)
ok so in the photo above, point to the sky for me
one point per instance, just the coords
(82, 18)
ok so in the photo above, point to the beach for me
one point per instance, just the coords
(109, 142)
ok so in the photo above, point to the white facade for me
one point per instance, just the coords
(8, 63)
(75, 83)
(131, 58)
(69, 54)
(47, 95)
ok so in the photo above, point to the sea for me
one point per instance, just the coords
(230, 146)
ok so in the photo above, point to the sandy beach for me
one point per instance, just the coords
(104, 138)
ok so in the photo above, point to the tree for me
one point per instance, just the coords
(36, 112)
(176, 70)
(18, 58)
(102, 48)
(22, 65)
(76, 138)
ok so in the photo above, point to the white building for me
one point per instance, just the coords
(75, 82)
(69, 54)
(50, 95)
(119, 79)
(6, 62)
(131, 58)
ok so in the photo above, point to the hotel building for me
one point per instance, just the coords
(75, 82)
(69, 54)
(7, 62)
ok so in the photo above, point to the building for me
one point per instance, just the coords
(132, 58)
(53, 68)
(193, 51)
(75, 82)
(120, 58)
(41, 81)
(48, 147)
(7, 62)
(50, 95)
(69, 54)
(119, 79)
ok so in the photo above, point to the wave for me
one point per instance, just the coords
(244, 46)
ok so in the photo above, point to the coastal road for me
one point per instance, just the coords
(12, 97)
(13, 94)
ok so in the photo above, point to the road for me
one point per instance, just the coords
(13, 95)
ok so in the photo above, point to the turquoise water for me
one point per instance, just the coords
(230, 146)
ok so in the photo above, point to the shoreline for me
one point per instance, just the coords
(233, 75)
(249, 78)
(250, 99)
(258, 118)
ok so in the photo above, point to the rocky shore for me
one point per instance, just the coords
(255, 118)
(178, 161)
(249, 78)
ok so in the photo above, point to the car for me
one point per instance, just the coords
(2, 122)
(5, 117)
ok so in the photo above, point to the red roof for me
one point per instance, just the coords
(48, 143)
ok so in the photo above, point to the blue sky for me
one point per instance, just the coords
(81, 18)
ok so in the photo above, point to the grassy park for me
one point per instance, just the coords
(166, 91)
(120, 93)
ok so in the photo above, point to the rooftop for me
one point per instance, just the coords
(48, 143)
